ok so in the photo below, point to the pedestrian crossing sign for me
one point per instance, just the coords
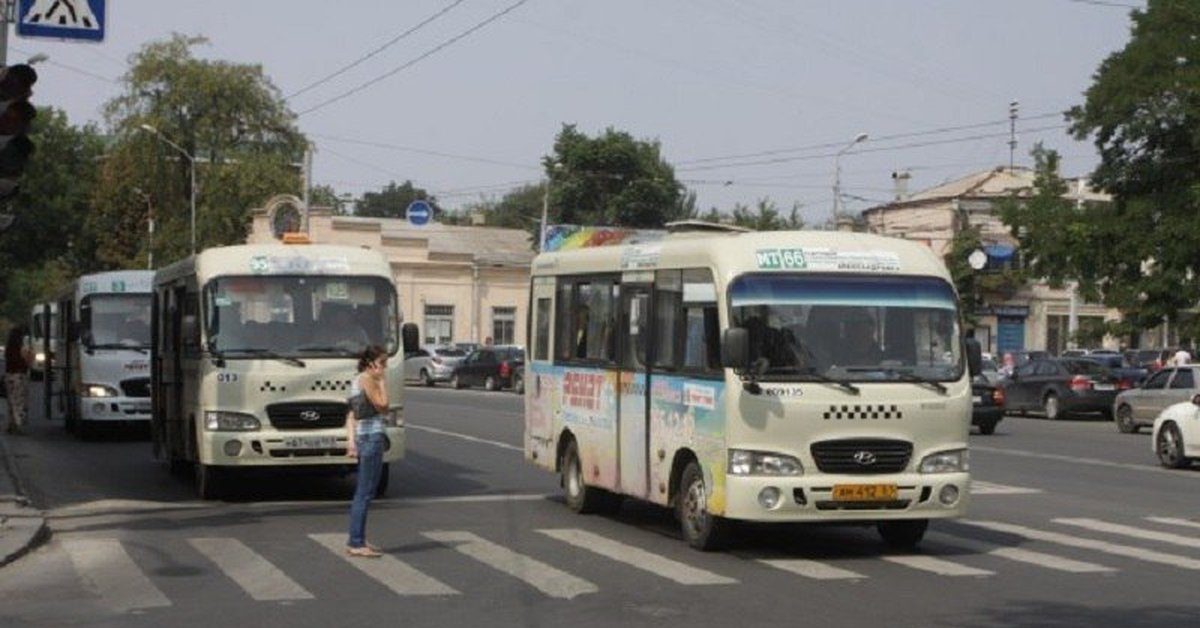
(81, 20)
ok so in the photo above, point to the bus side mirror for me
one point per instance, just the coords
(735, 349)
(189, 329)
(73, 332)
(974, 357)
(410, 336)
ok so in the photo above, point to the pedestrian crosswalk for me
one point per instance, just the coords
(572, 563)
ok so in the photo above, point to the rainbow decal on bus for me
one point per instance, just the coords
(574, 237)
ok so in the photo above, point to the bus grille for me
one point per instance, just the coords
(862, 456)
(136, 387)
(310, 415)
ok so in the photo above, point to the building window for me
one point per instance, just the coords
(439, 324)
(504, 325)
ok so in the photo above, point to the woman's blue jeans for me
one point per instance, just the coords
(370, 467)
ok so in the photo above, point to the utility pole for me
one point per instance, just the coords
(1013, 108)
(307, 183)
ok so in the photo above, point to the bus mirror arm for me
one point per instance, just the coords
(735, 354)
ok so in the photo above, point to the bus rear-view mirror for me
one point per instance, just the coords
(410, 335)
(974, 357)
(735, 348)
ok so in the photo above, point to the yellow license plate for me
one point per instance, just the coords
(864, 492)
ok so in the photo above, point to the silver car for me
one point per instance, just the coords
(1139, 406)
(432, 363)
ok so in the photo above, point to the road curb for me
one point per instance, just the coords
(22, 527)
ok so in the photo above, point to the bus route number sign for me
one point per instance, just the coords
(781, 259)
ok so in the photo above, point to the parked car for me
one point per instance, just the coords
(988, 407)
(432, 363)
(1140, 406)
(1152, 359)
(1057, 386)
(1176, 434)
(1128, 376)
(490, 367)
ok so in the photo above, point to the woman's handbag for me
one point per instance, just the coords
(361, 406)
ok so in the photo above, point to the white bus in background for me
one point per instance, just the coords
(714, 373)
(105, 359)
(44, 337)
(255, 351)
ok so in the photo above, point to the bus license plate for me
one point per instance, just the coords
(864, 492)
(309, 442)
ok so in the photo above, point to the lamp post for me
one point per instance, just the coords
(191, 168)
(149, 226)
(837, 176)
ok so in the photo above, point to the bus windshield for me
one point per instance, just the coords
(847, 327)
(111, 321)
(311, 316)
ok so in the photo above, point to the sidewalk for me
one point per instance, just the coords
(22, 527)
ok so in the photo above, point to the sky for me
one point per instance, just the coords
(749, 99)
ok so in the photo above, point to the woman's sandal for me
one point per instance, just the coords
(364, 552)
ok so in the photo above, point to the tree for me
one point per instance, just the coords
(393, 200)
(614, 180)
(975, 287)
(519, 209)
(767, 217)
(1140, 253)
(228, 117)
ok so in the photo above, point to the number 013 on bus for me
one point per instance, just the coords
(771, 377)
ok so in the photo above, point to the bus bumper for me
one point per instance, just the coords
(273, 449)
(917, 496)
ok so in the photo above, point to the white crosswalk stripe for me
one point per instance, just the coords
(1127, 551)
(812, 569)
(1124, 530)
(543, 577)
(1175, 521)
(979, 487)
(938, 566)
(388, 570)
(254, 574)
(1021, 555)
(111, 573)
(638, 558)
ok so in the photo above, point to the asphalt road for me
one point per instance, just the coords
(1072, 524)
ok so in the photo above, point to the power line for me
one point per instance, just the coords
(424, 151)
(1105, 3)
(416, 60)
(71, 68)
(391, 42)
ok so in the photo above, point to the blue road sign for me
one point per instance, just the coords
(419, 213)
(82, 20)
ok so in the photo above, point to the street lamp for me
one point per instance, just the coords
(837, 175)
(191, 167)
(149, 225)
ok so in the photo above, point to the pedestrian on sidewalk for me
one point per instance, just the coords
(365, 436)
(17, 360)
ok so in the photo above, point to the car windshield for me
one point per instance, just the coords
(310, 316)
(848, 327)
(115, 320)
(449, 352)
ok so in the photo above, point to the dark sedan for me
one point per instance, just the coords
(1057, 386)
(491, 367)
(988, 406)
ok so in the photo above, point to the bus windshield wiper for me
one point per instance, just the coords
(117, 345)
(916, 379)
(342, 351)
(825, 379)
(267, 353)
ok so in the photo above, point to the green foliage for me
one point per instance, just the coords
(765, 216)
(227, 116)
(519, 209)
(614, 180)
(393, 200)
(26, 287)
(326, 196)
(1141, 253)
(976, 287)
(1053, 231)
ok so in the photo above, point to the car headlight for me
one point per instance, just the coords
(953, 461)
(98, 390)
(745, 462)
(218, 421)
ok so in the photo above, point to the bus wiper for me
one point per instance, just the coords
(117, 345)
(267, 353)
(342, 351)
(917, 379)
(825, 379)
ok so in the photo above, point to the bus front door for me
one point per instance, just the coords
(633, 413)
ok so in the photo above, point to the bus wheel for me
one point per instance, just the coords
(903, 534)
(580, 497)
(207, 481)
(701, 530)
(384, 477)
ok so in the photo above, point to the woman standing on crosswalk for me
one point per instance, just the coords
(365, 436)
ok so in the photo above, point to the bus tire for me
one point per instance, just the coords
(903, 534)
(701, 529)
(385, 476)
(208, 481)
(580, 497)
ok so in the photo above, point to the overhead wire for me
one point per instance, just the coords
(424, 151)
(408, 64)
(388, 44)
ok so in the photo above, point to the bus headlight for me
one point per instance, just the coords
(98, 390)
(217, 421)
(954, 461)
(745, 462)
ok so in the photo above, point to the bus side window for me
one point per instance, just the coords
(191, 309)
(668, 323)
(541, 339)
(700, 331)
(564, 346)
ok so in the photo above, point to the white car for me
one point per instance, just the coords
(1176, 436)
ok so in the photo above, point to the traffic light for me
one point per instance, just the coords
(16, 114)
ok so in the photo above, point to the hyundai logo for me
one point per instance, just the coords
(864, 458)
(310, 415)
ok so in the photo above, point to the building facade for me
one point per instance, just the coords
(467, 284)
